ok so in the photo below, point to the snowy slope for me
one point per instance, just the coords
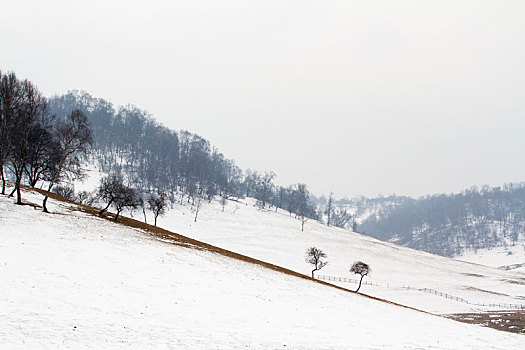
(277, 238)
(497, 256)
(70, 280)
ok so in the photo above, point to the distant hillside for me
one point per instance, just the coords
(130, 143)
(446, 224)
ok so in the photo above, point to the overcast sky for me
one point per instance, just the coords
(357, 97)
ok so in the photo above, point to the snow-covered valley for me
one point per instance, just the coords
(71, 280)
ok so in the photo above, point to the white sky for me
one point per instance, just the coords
(358, 97)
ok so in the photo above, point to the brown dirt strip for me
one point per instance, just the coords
(508, 321)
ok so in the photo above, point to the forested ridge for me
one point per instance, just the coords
(446, 224)
(131, 144)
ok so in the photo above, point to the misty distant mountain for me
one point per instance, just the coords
(446, 224)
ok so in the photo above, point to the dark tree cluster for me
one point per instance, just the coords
(131, 144)
(34, 144)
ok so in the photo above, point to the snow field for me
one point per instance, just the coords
(70, 280)
(276, 237)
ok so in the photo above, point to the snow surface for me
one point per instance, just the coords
(71, 280)
(497, 256)
(276, 237)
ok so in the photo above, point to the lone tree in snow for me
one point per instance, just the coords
(314, 256)
(362, 269)
(158, 204)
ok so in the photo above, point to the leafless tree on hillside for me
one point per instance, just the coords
(314, 256)
(158, 204)
(74, 136)
(360, 268)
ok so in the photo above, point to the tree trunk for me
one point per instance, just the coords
(155, 220)
(360, 283)
(44, 208)
(106, 208)
(3, 179)
(44, 202)
(18, 193)
(116, 216)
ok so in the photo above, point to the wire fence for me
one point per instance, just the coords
(344, 279)
(425, 290)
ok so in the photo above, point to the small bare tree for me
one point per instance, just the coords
(85, 197)
(224, 201)
(360, 268)
(108, 190)
(127, 198)
(329, 209)
(158, 204)
(341, 218)
(142, 206)
(314, 256)
(114, 192)
(198, 204)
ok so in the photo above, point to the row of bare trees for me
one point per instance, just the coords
(34, 144)
(114, 192)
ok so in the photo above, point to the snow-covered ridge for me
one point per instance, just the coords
(72, 280)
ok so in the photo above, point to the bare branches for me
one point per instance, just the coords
(314, 256)
(360, 268)
(73, 137)
(114, 192)
(158, 204)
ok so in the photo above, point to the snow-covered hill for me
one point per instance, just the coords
(276, 237)
(454, 225)
(71, 280)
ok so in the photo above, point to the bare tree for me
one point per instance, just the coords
(198, 204)
(114, 192)
(68, 192)
(302, 203)
(329, 208)
(158, 204)
(224, 201)
(85, 197)
(10, 100)
(32, 105)
(43, 153)
(354, 225)
(360, 268)
(341, 218)
(265, 188)
(74, 137)
(314, 256)
(142, 206)
(126, 198)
